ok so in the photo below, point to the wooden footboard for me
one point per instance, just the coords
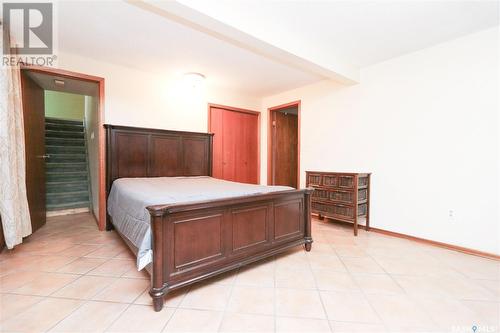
(192, 242)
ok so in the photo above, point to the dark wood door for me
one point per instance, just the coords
(284, 149)
(34, 136)
(236, 145)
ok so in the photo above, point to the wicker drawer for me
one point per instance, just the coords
(345, 181)
(362, 208)
(344, 212)
(344, 196)
(330, 180)
(363, 181)
(362, 194)
(333, 195)
(314, 179)
(320, 194)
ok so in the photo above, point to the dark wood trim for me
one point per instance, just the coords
(429, 242)
(101, 222)
(61, 72)
(270, 138)
(231, 108)
(152, 130)
(259, 134)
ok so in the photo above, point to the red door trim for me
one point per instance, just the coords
(101, 219)
(231, 108)
(270, 140)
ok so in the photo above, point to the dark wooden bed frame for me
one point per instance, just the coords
(195, 241)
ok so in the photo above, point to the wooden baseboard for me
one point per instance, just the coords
(431, 242)
(438, 244)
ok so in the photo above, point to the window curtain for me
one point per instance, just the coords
(14, 210)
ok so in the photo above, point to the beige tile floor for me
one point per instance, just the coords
(70, 277)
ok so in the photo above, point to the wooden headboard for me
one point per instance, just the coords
(146, 152)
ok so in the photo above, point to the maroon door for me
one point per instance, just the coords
(236, 145)
(34, 136)
(284, 147)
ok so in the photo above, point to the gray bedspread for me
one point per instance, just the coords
(129, 198)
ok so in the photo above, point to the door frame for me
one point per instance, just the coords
(101, 219)
(270, 140)
(234, 109)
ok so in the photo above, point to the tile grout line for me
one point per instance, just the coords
(318, 291)
(402, 289)
(275, 298)
(175, 308)
(224, 312)
(365, 297)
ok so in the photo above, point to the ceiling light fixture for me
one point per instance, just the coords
(59, 83)
(194, 80)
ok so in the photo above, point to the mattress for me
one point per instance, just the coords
(129, 198)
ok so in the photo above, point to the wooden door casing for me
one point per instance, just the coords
(236, 144)
(34, 137)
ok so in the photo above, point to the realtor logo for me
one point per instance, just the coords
(30, 26)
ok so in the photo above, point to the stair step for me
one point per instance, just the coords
(54, 149)
(68, 205)
(67, 158)
(63, 134)
(66, 186)
(66, 176)
(62, 167)
(63, 127)
(66, 197)
(66, 169)
(64, 142)
(50, 120)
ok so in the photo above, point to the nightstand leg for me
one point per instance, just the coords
(355, 226)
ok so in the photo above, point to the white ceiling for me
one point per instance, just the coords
(361, 33)
(120, 33)
(356, 32)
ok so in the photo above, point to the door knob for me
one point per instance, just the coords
(45, 156)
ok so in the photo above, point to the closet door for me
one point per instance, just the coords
(236, 140)
(248, 154)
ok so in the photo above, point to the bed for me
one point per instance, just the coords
(185, 226)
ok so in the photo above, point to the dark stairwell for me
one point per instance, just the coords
(66, 170)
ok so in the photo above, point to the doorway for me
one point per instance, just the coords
(64, 139)
(283, 145)
(236, 145)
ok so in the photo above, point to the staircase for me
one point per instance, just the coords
(66, 173)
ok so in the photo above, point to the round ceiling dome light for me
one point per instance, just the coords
(193, 79)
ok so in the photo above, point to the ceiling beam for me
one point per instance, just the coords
(196, 20)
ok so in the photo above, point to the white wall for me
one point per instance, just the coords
(137, 98)
(92, 136)
(426, 125)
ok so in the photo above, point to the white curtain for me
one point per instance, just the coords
(13, 199)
